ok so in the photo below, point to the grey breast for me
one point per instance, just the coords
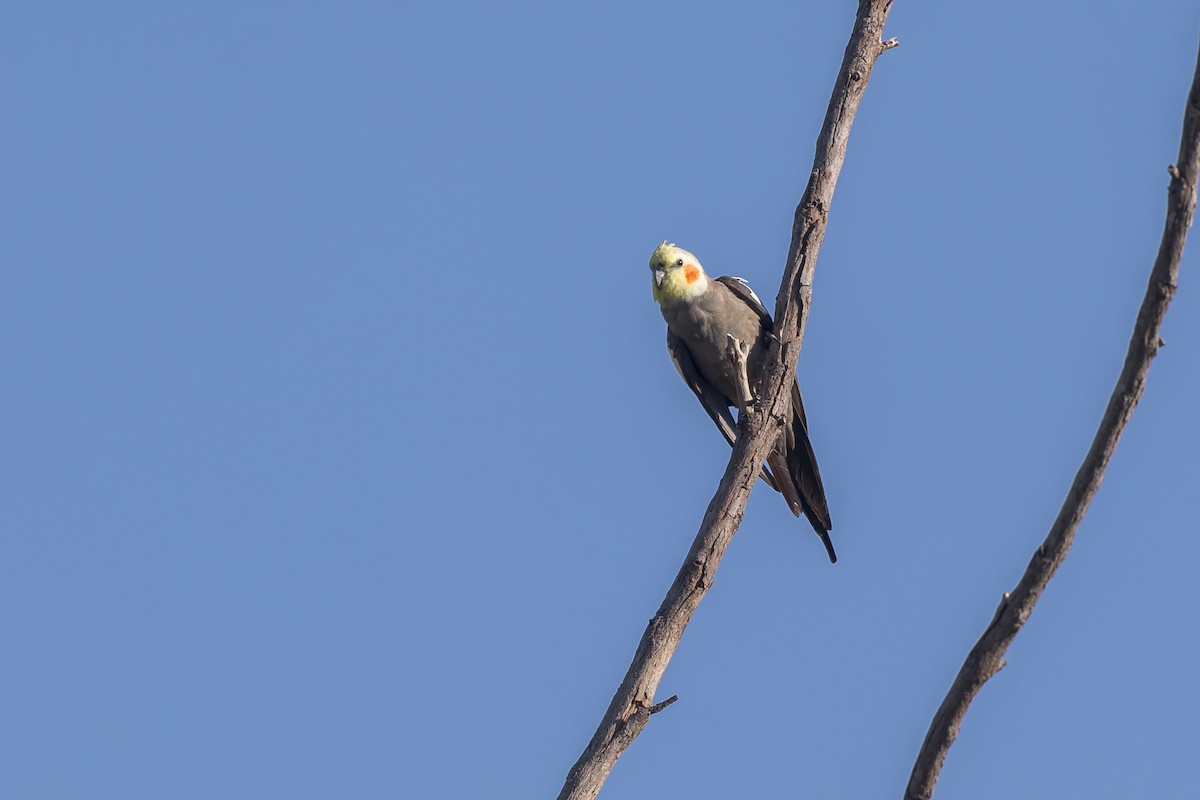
(704, 324)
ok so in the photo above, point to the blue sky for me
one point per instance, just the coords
(343, 457)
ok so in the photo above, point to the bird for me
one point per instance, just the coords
(701, 313)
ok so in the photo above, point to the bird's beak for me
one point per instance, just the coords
(659, 275)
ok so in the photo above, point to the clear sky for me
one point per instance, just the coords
(342, 455)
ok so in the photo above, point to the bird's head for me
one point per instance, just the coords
(677, 274)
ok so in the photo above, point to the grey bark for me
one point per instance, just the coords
(987, 656)
(633, 702)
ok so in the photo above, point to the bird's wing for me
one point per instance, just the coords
(716, 405)
(709, 397)
(804, 492)
(742, 289)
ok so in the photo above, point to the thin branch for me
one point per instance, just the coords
(987, 656)
(739, 353)
(657, 707)
(630, 708)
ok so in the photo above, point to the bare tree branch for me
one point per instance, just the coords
(633, 703)
(987, 656)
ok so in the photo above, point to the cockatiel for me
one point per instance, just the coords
(701, 312)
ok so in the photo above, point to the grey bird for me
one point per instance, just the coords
(701, 314)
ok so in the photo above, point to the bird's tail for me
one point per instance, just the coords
(794, 467)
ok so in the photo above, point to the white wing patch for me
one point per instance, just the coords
(743, 282)
(675, 361)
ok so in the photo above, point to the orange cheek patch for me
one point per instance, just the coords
(691, 273)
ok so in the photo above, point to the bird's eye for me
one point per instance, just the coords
(679, 262)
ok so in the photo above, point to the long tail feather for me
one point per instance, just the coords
(794, 466)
